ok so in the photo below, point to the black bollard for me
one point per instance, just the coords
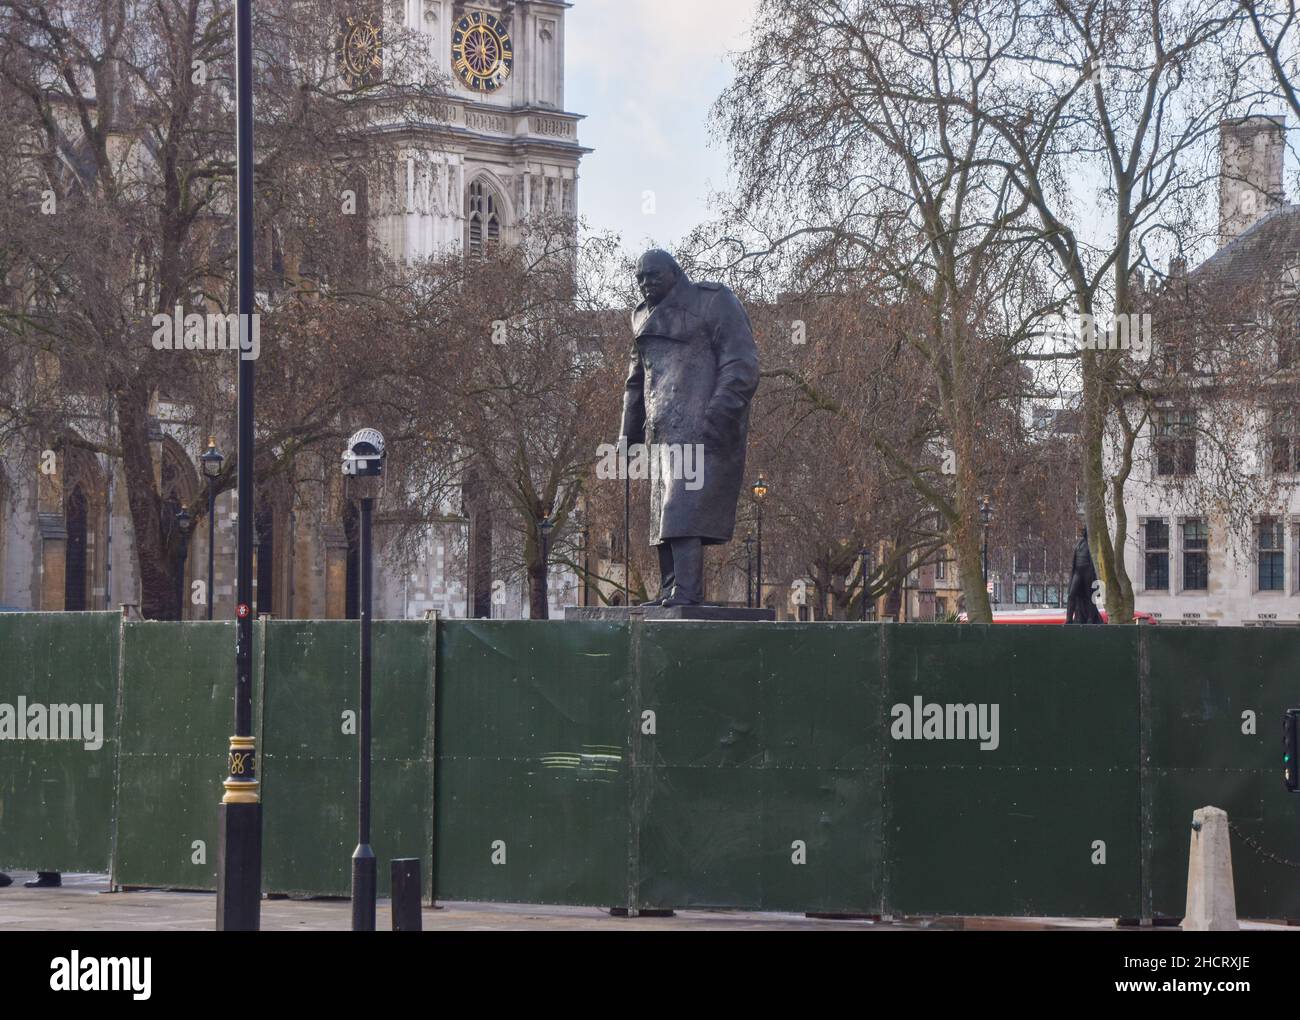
(406, 894)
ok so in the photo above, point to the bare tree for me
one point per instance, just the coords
(517, 356)
(124, 112)
(861, 172)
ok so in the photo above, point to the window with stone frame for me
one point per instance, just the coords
(1196, 555)
(1284, 439)
(483, 221)
(1155, 553)
(1270, 555)
(1287, 339)
(1175, 442)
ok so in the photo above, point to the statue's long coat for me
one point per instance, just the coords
(1079, 607)
(694, 360)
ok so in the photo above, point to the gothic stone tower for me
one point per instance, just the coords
(504, 147)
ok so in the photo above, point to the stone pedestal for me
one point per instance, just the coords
(726, 614)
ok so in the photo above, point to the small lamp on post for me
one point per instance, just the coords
(986, 515)
(211, 460)
(759, 489)
(363, 468)
(185, 523)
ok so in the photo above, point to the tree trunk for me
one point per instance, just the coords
(970, 571)
(537, 602)
(966, 535)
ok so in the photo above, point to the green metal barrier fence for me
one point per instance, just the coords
(850, 768)
(176, 708)
(1212, 717)
(56, 797)
(309, 766)
(531, 794)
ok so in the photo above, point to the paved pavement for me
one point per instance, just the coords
(84, 903)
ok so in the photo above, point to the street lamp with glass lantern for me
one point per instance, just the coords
(544, 527)
(986, 515)
(185, 523)
(759, 489)
(211, 459)
(749, 571)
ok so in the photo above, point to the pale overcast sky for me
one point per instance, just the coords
(645, 73)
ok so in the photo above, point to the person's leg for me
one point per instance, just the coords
(666, 577)
(688, 569)
(45, 880)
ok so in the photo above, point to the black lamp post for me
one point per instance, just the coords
(749, 571)
(986, 515)
(363, 465)
(759, 489)
(863, 553)
(185, 523)
(239, 846)
(545, 528)
(584, 537)
(211, 460)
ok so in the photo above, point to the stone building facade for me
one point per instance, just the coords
(502, 149)
(1194, 560)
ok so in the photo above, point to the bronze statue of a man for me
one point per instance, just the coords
(693, 374)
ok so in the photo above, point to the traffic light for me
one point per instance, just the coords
(1289, 774)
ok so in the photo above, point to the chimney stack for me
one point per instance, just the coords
(1250, 172)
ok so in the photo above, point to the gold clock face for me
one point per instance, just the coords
(481, 52)
(361, 50)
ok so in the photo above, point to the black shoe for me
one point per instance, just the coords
(678, 600)
(45, 880)
(5, 880)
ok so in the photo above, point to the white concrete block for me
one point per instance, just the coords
(1211, 900)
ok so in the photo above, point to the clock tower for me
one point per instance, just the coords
(504, 147)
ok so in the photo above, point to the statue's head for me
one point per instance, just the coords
(657, 273)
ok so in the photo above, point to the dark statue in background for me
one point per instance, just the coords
(1080, 608)
(693, 374)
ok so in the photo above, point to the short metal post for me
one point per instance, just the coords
(406, 894)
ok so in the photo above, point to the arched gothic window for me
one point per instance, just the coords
(483, 224)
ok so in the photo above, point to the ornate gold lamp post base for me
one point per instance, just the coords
(239, 841)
